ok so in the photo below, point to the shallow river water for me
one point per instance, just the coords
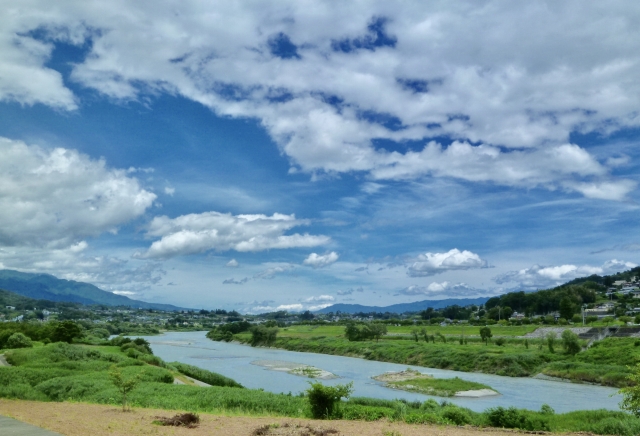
(234, 361)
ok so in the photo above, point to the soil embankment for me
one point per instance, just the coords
(78, 419)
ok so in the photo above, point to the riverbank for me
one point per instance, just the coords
(603, 364)
(80, 419)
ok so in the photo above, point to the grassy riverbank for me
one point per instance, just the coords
(63, 372)
(605, 363)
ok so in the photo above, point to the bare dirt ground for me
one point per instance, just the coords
(79, 419)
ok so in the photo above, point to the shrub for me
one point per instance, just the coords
(500, 342)
(18, 340)
(323, 399)
(261, 335)
(570, 342)
(545, 409)
(456, 415)
(515, 418)
(614, 426)
(631, 394)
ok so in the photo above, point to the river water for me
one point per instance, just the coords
(234, 361)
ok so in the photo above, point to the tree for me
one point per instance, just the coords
(66, 331)
(124, 385)
(414, 333)
(485, 334)
(323, 399)
(377, 330)
(566, 308)
(551, 339)
(570, 342)
(261, 335)
(352, 332)
(18, 340)
(631, 394)
(307, 316)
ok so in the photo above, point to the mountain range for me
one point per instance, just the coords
(48, 287)
(416, 306)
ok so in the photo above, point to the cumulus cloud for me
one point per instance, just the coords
(57, 197)
(438, 70)
(320, 261)
(197, 233)
(429, 264)
(444, 289)
(537, 277)
(232, 264)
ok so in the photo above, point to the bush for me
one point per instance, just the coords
(456, 415)
(614, 426)
(500, 342)
(515, 418)
(570, 342)
(261, 335)
(18, 340)
(323, 399)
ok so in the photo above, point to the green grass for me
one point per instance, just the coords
(443, 387)
(61, 372)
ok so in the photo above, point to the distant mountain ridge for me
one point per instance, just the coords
(404, 307)
(48, 287)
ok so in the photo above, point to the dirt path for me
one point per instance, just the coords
(78, 419)
(3, 361)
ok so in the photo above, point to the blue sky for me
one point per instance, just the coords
(292, 155)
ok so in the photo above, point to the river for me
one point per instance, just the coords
(234, 361)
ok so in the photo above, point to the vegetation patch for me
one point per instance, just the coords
(414, 381)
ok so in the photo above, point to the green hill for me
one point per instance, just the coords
(48, 287)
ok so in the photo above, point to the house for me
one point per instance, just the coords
(11, 308)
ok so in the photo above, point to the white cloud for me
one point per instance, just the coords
(271, 272)
(320, 298)
(442, 290)
(125, 293)
(461, 70)
(197, 233)
(169, 190)
(57, 197)
(232, 264)
(294, 307)
(320, 261)
(538, 277)
(429, 264)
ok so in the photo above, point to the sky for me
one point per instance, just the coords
(290, 155)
